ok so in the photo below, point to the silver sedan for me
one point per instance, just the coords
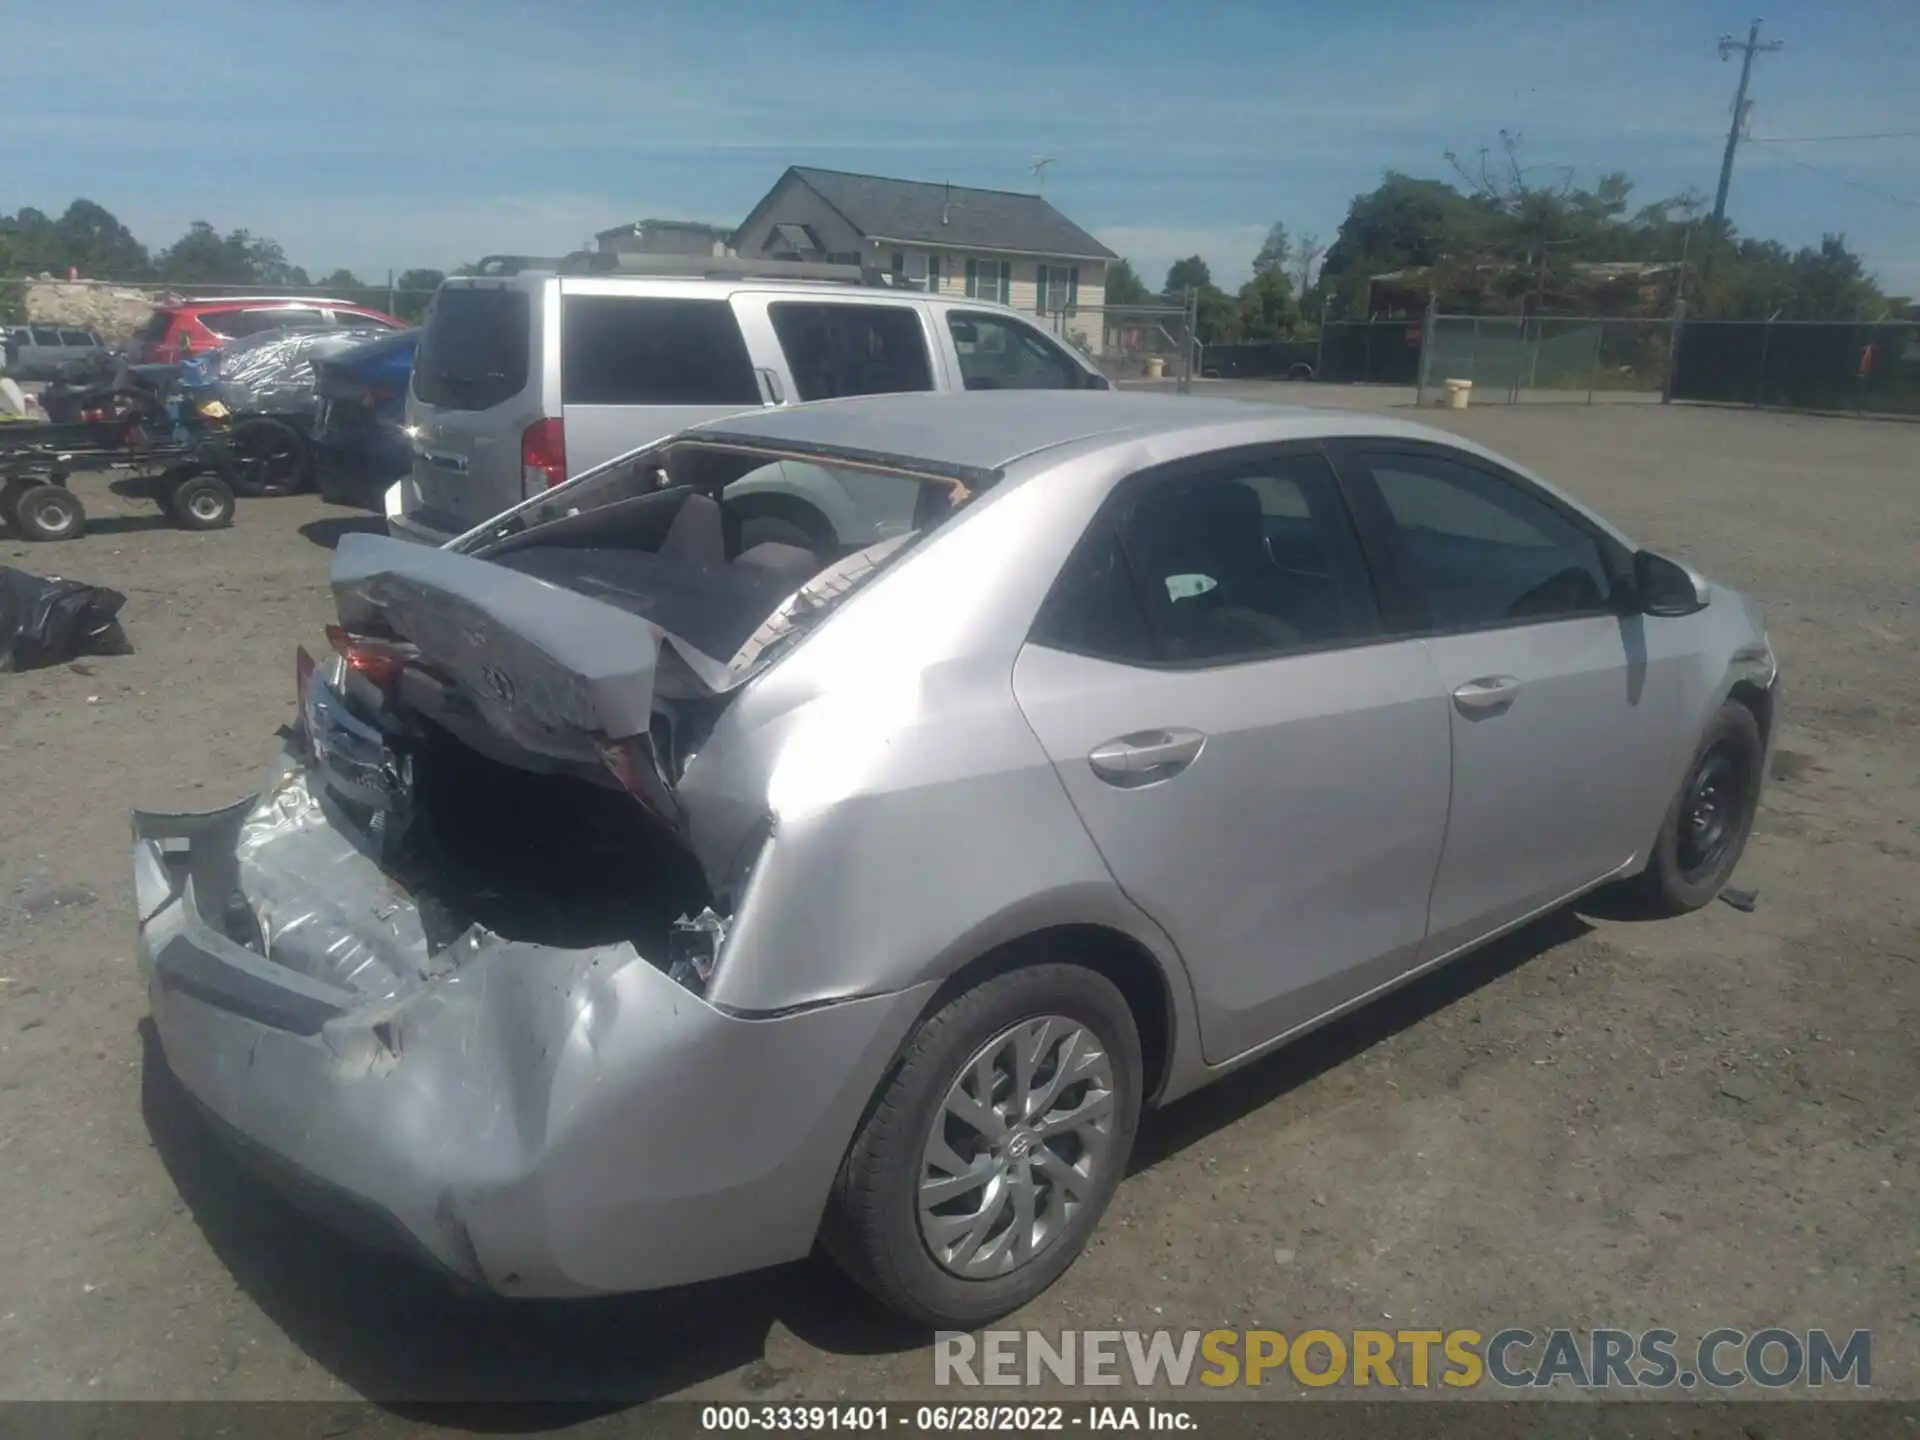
(648, 895)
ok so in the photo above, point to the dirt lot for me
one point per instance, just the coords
(1700, 1123)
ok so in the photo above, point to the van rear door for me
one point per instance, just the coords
(636, 366)
(479, 382)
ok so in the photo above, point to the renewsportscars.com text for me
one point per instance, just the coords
(1509, 1359)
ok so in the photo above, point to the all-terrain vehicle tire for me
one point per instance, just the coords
(50, 512)
(201, 502)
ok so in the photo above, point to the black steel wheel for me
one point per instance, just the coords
(1706, 827)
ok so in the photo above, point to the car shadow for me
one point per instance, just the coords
(326, 533)
(406, 1338)
(1166, 1132)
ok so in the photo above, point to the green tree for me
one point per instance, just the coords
(340, 280)
(1275, 252)
(205, 257)
(1124, 285)
(1188, 274)
(1266, 306)
(414, 292)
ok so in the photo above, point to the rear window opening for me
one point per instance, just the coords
(474, 348)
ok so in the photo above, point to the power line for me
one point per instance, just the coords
(1751, 47)
(1823, 139)
(1877, 191)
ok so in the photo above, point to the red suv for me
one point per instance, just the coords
(182, 327)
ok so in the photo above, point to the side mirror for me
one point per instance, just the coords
(1666, 587)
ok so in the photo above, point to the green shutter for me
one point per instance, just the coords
(1073, 291)
(1040, 278)
(973, 279)
(933, 274)
(1006, 282)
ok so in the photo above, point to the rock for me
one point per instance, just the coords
(1283, 1257)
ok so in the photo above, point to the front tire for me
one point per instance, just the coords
(1707, 825)
(993, 1148)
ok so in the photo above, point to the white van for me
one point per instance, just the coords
(534, 371)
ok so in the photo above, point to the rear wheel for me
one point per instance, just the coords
(270, 457)
(1706, 827)
(47, 512)
(10, 493)
(993, 1149)
(201, 502)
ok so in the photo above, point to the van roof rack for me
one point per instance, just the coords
(689, 267)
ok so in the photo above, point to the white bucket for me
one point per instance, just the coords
(1458, 393)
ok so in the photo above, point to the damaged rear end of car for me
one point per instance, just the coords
(446, 971)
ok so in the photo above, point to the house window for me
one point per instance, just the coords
(1058, 290)
(989, 280)
(900, 265)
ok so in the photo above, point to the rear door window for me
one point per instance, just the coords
(75, 337)
(155, 330)
(653, 350)
(835, 350)
(474, 349)
(46, 335)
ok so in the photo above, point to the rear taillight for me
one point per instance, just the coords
(380, 661)
(543, 453)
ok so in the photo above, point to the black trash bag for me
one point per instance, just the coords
(48, 622)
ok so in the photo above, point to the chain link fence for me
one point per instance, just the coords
(1801, 365)
(1509, 359)
(1133, 342)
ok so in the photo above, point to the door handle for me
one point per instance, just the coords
(1488, 695)
(770, 385)
(1146, 756)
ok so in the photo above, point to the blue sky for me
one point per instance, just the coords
(413, 133)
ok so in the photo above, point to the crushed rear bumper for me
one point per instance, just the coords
(537, 1121)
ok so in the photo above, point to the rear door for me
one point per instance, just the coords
(1261, 763)
(639, 365)
(485, 364)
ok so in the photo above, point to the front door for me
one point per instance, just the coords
(1263, 771)
(1561, 726)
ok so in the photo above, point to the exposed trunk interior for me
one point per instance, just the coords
(546, 859)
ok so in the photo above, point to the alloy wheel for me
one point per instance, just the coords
(1017, 1146)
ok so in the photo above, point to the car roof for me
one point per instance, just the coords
(242, 302)
(985, 431)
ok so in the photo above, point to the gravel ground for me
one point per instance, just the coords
(1698, 1123)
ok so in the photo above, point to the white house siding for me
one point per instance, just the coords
(796, 204)
(1023, 286)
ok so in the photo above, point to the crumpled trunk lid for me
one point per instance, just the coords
(549, 669)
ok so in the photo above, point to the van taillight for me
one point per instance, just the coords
(543, 451)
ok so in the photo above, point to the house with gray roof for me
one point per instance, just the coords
(951, 239)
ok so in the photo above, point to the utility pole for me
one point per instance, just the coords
(1752, 46)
